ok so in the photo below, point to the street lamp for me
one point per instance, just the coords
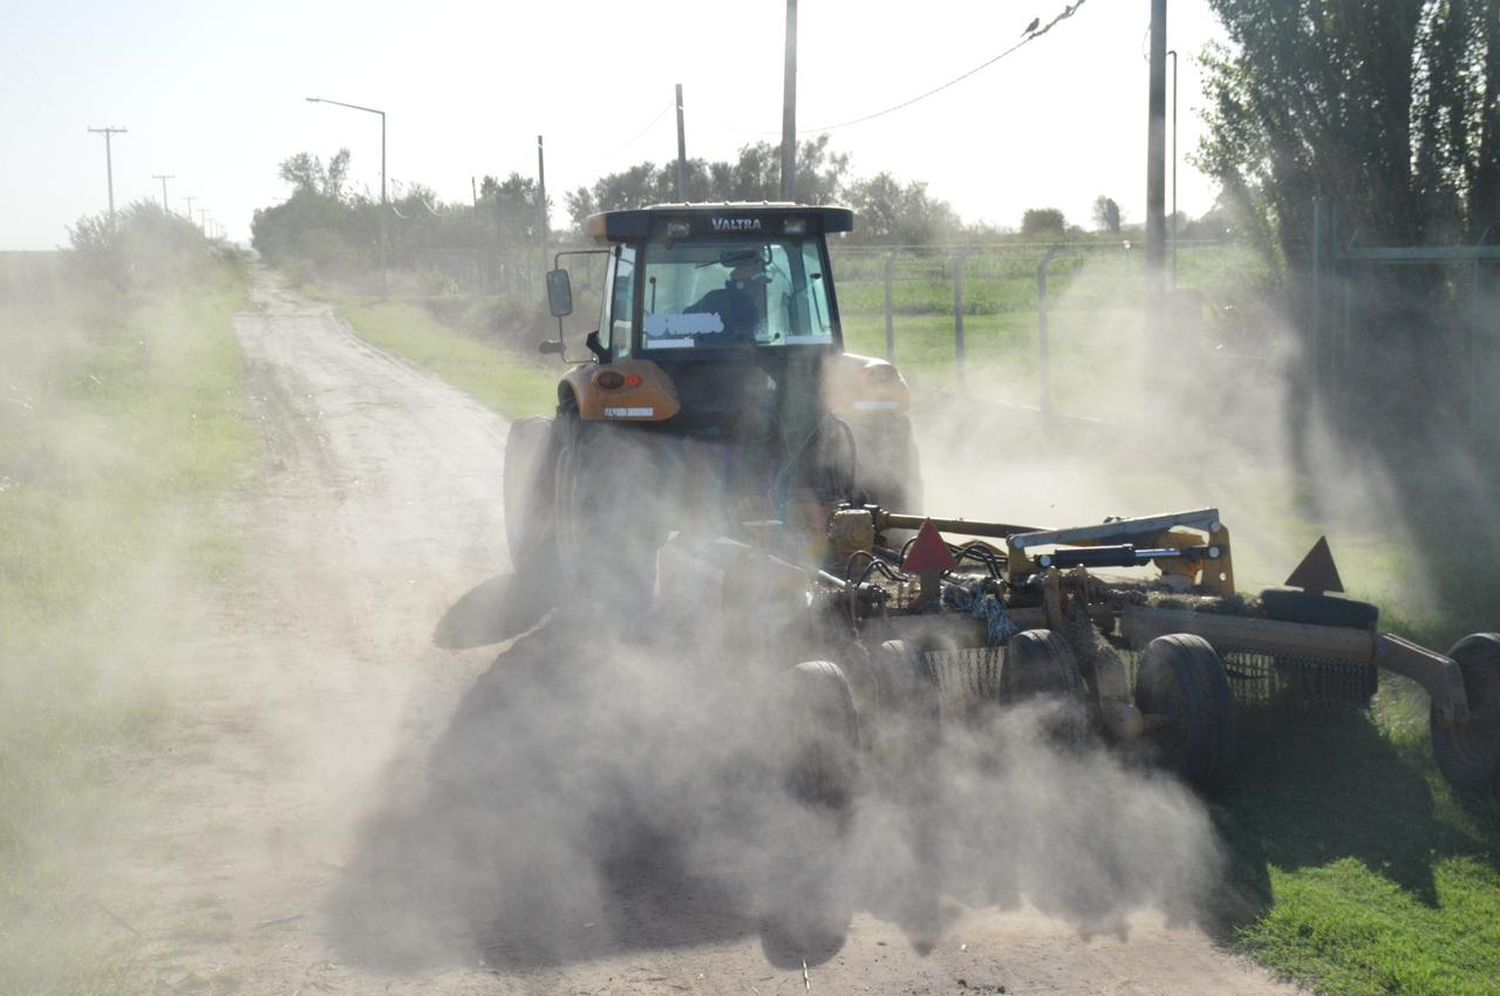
(370, 110)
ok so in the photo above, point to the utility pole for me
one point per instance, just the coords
(1173, 216)
(541, 196)
(789, 108)
(109, 163)
(681, 151)
(190, 201)
(164, 179)
(481, 256)
(385, 276)
(202, 221)
(1156, 135)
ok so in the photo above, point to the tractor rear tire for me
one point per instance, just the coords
(889, 467)
(610, 514)
(1317, 609)
(1469, 755)
(527, 493)
(823, 768)
(1183, 688)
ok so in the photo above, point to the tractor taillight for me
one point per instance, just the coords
(633, 380)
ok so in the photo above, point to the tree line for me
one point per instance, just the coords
(142, 246)
(1389, 113)
(329, 230)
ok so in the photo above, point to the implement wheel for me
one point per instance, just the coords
(1183, 690)
(824, 742)
(908, 720)
(1040, 664)
(527, 493)
(1469, 754)
(805, 898)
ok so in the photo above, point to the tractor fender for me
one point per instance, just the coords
(855, 386)
(622, 391)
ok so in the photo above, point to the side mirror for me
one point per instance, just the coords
(547, 346)
(559, 293)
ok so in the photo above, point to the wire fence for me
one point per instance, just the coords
(1050, 326)
(1053, 326)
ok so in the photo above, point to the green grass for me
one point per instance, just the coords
(1362, 871)
(121, 420)
(504, 381)
(1343, 929)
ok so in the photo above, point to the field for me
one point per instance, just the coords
(120, 421)
(1356, 870)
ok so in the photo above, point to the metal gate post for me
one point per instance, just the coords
(958, 315)
(1473, 351)
(890, 319)
(1044, 349)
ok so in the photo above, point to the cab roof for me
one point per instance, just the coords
(719, 220)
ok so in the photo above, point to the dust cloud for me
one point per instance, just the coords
(1183, 416)
(616, 784)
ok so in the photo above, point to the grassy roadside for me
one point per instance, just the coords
(120, 420)
(1355, 869)
(506, 382)
(1369, 874)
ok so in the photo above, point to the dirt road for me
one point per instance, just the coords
(341, 808)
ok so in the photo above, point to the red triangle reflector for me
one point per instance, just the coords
(929, 554)
(1317, 572)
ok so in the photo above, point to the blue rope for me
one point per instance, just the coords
(998, 627)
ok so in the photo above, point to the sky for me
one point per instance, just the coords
(214, 95)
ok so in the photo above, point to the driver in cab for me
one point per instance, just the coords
(737, 303)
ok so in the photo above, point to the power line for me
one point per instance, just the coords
(56, 92)
(593, 161)
(1033, 32)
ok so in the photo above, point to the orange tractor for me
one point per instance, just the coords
(715, 390)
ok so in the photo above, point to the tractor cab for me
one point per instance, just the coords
(719, 324)
(686, 282)
(718, 319)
